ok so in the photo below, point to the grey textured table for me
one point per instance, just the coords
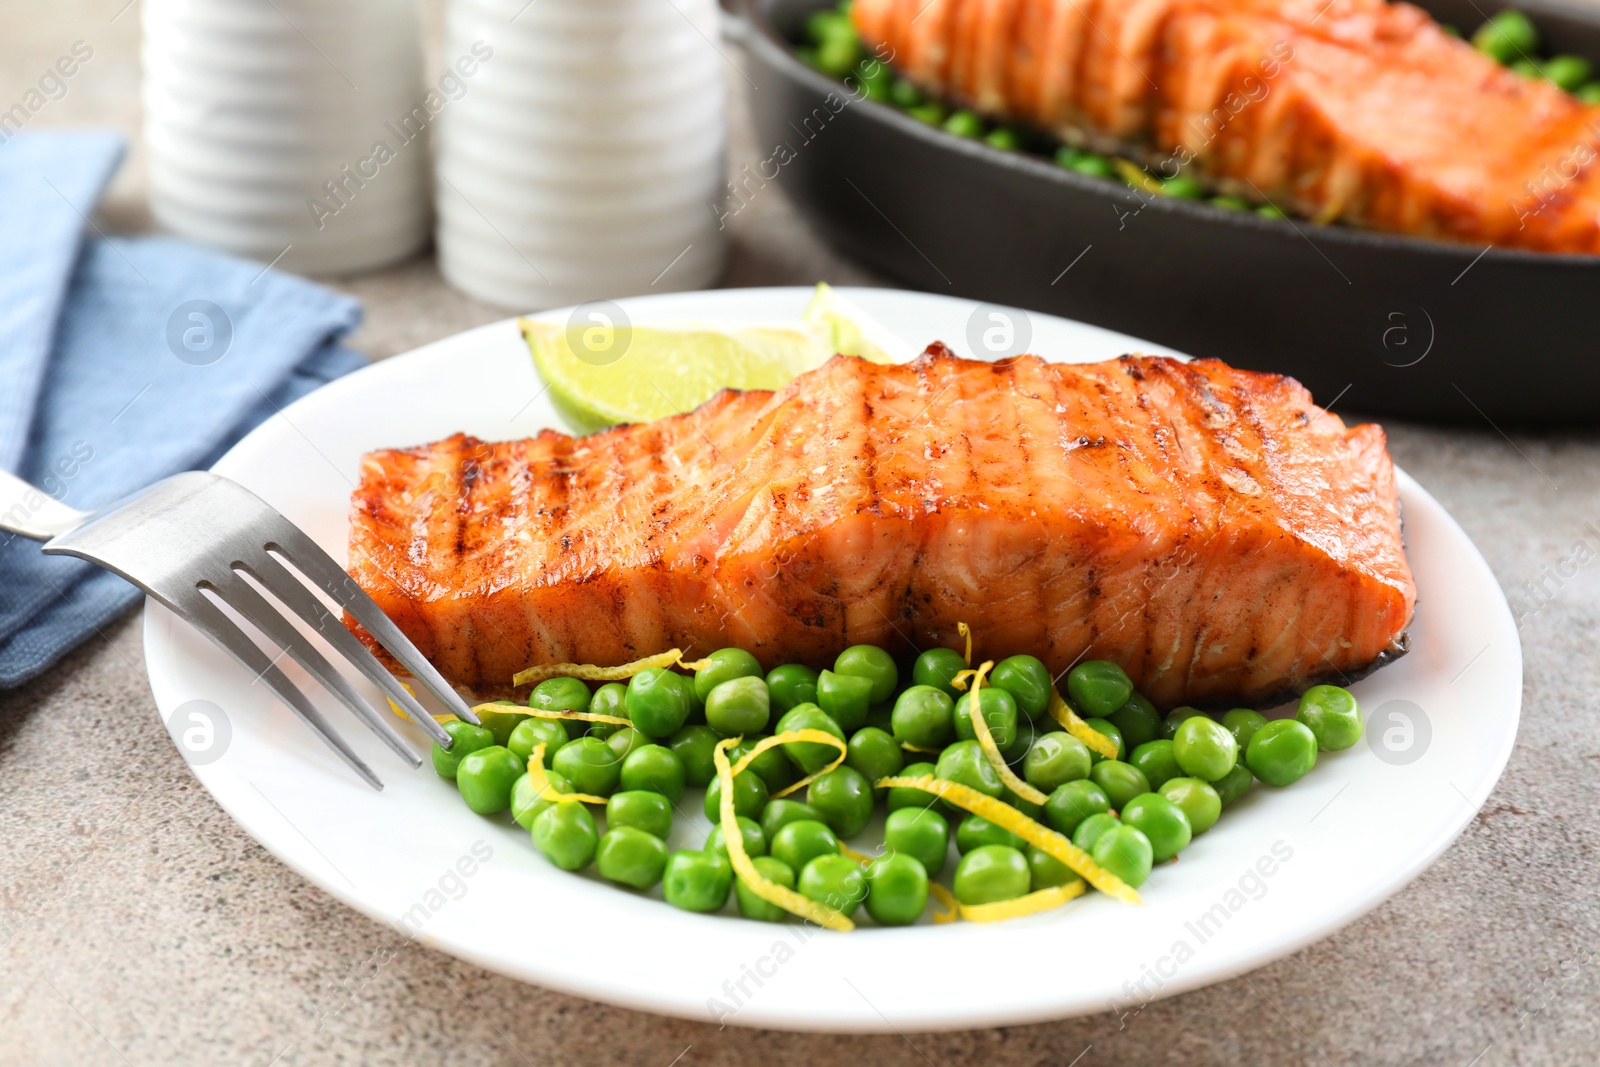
(143, 926)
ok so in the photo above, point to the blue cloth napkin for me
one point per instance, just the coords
(122, 361)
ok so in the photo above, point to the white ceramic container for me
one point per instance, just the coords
(587, 160)
(293, 131)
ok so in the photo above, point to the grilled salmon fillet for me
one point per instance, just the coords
(1209, 529)
(1358, 110)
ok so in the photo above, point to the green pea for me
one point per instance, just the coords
(999, 712)
(936, 667)
(1243, 723)
(875, 78)
(1204, 748)
(1090, 829)
(875, 754)
(1074, 802)
(631, 857)
(904, 797)
(1121, 781)
(975, 832)
(1160, 820)
(783, 811)
(1531, 69)
(801, 841)
(501, 723)
(565, 833)
(1156, 760)
(750, 832)
(932, 112)
(829, 24)
(836, 881)
(772, 765)
(590, 765)
(1004, 138)
(991, 874)
(844, 796)
(739, 706)
(897, 890)
(654, 768)
(872, 663)
(1138, 721)
(1027, 680)
(749, 796)
(526, 805)
(1066, 155)
(693, 746)
(791, 685)
(964, 762)
(464, 738)
(1231, 203)
(641, 809)
(809, 756)
(659, 701)
(724, 665)
(837, 55)
(697, 881)
(1104, 726)
(964, 123)
(1271, 211)
(1054, 759)
(1092, 165)
(1184, 187)
(1176, 718)
(1097, 687)
(924, 716)
(754, 907)
(563, 694)
(1589, 94)
(486, 776)
(921, 834)
(1332, 715)
(904, 94)
(846, 698)
(1125, 852)
(1235, 784)
(609, 699)
(530, 732)
(1198, 800)
(625, 742)
(1047, 872)
(1282, 752)
(1506, 36)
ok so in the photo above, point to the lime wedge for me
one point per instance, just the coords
(851, 330)
(601, 373)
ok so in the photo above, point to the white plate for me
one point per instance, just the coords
(1350, 834)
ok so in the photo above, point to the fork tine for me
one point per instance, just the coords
(239, 595)
(209, 620)
(315, 564)
(286, 587)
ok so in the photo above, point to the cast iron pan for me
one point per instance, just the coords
(1377, 323)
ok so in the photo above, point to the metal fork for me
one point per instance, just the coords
(199, 533)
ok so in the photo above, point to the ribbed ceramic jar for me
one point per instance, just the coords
(293, 131)
(587, 160)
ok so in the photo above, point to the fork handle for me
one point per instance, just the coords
(32, 512)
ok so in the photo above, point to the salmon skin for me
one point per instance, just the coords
(1357, 110)
(1209, 529)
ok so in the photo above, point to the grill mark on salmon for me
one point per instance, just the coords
(1187, 520)
(1360, 110)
